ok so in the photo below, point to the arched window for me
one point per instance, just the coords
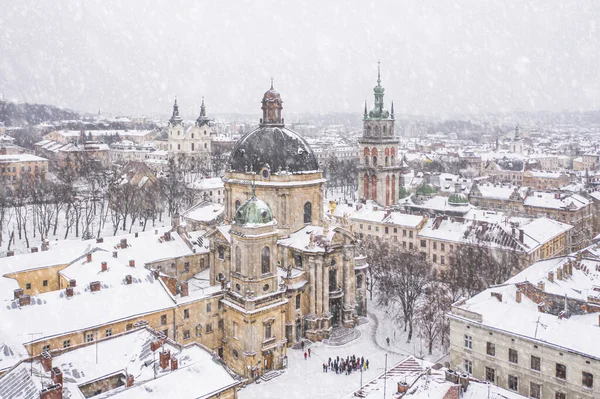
(221, 252)
(386, 161)
(374, 161)
(307, 212)
(298, 261)
(359, 281)
(387, 151)
(367, 151)
(267, 330)
(238, 260)
(392, 159)
(237, 205)
(367, 160)
(265, 260)
(367, 193)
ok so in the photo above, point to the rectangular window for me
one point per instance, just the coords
(410, 245)
(443, 260)
(186, 267)
(423, 243)
(468, 366)
(468, 341)
(387, 230)
(513, 383)
(434, 258)
(186, 334)
(166, 332)
(395, 230)
(588, 380)
(209, 328)
(198, 330)
(129, 327)
(45, 283)
(27, 286)
(442, 246)
(513, 356)
(536, 363)
(403, 233)
(376, 228)
(535, 390)
(186, 313)
(561, 371)
(491, 349)
(67, 343)
(89, 337)
(490, 374)
(109, 332)
(46, 348)
(560, 395)
(410, 234)
(163, 320)
(404, 244)
(361, 226)
(221, 325)
(208, 307)
(434, 245)
(369, 227)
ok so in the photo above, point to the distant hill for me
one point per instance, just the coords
(12, 114)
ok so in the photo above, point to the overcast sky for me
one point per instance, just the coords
(437, 57)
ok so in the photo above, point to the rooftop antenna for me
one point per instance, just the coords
(31, 334)
(537, 324)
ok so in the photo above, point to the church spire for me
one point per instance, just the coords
(378, 111)
(378, 73)
(392, 113)
(176, 119)
(366, 109)
(202, 119)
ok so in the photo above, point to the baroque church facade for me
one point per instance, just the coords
(195, 141)
(286, 272)
(380, 169)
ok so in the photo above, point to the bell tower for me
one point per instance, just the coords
(379, 169)
(271, 108)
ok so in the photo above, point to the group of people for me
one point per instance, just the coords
(346, 366)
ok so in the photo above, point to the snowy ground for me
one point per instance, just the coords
(305, 378)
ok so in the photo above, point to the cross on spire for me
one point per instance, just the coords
(378, 72)
(271, 82)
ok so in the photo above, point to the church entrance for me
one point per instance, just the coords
(268, 360)
(298, 329)
(335, 306)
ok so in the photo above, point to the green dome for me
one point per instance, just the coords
(426, 189)
(253, 212)
(458, 199)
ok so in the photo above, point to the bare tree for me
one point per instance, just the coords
(377, 251)
(430, 313)
(402, 282)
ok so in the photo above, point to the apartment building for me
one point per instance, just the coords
(15, 167)
(537, 334)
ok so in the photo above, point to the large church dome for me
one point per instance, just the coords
(276, 147)
(272, 144)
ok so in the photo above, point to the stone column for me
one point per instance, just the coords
(326, 289)
(319, 286)
(312, 287)
(349, 279)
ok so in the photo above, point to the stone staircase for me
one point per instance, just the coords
(268, 376)
(341, 336)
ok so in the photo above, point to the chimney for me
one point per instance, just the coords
(559, 274)
(95, 286)
(123, 243)
(104, 266)
(89, 257)
(57, 376)
(570, 267)
(52, 392)
(45, 245)
(24, 300)
(565, 269)
(551, 276)
(130, 380)
(519, 296)
(10, 253)
(521, 236)
(69, 292)
(184, 289)
(115, 254)
(72, 283)
(99, 240)
(18, 293)
(154, 345)
(164, 359)
(128, 279)
(46, 360)
(34, 250)
(131, 262)
(541, 285)
(174, 364)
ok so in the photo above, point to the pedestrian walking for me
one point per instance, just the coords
(308, 352)
(367, 363)
(305, 355)
(388, 341)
